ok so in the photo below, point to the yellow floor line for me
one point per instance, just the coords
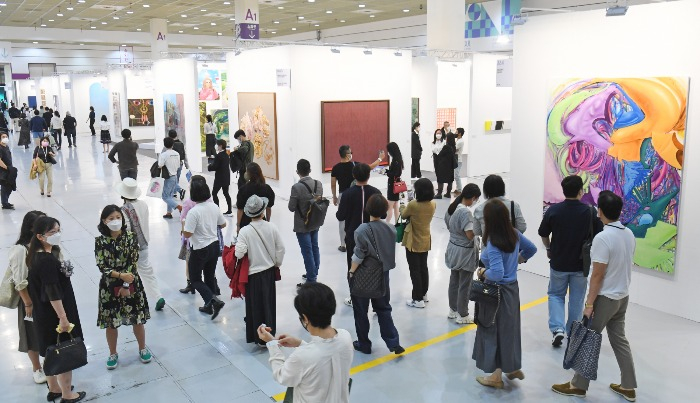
(417, 347)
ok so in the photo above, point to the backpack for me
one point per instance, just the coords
(318, 207)
(236, 162)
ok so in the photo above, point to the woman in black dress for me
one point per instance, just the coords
(53, 299)
(445, 164)
(394, 174)
(24, 132)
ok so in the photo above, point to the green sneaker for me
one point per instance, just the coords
(145, 355)
(160, 304)
(113, 361)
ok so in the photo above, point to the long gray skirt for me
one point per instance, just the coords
(498, 346)
(27, 337)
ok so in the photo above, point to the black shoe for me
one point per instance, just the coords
(303, 276)
(81, 396)
(216, 305)
(8, 207)
(438, 196)
(397, 350)
(356, 345)
(187, 289)
(53, 396)
(182, 194)
(446, 195)
(206, 309)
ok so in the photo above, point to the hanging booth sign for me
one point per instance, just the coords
(126, 55)
(248, 19)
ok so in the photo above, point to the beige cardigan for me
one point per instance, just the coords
(416, 236)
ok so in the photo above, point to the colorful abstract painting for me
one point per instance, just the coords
(220, 119)
(202, 121)
(415, 110)
(209, 84)
(224, 93)
(258, 118)
(141, 112)
(625, 135)
(174, 113)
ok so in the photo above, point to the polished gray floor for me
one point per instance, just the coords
(197, 360)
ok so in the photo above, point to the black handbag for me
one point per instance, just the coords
(485, 292)
(368, 279)
(65, 356)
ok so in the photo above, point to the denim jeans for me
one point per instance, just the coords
(382, 307)
(308, 242)
(559, 282)
(177, 183)
(168, 191)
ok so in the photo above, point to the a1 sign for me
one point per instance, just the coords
(248, 19)
(251, 17)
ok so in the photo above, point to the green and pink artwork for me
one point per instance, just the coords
(625, 135)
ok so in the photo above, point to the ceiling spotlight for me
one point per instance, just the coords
(280, 8)
(199, 47)
(294, 29)
(329, 12)
(183, 15)
(367, 51)
(273, 32)
(616, 11)
(104, 23)
(195, 28)
(81, 1)
(406, 10)
(138, 29)
(275, 22)
(219, 33)
(82, 44)
(342, 20)
(59, 14)
(317, 25)
(69, 8)
(226, 3)
(361, 5)
(213, 23)
(93, 27)
(43, 25)
(300, 18)
(312, 1)
(51, 20)
(129, 12)
(115, 17)
(146, 6)
(398, 53)
(371, 16)
(203, 10)
(35, 42)
(335, 50)
(180, 31)
(123, 45)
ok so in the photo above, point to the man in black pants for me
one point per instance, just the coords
(246, 151)
(416, 151)
(351, 209)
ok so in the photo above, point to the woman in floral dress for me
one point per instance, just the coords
(122, 300)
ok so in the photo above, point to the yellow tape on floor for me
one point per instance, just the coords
(420, 346)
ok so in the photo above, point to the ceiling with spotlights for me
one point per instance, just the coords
(202, 17)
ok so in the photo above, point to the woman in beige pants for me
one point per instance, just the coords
(44, 154)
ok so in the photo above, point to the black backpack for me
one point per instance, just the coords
(318, 207)
(236, 162)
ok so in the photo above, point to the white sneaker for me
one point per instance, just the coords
(464, 320)
(39, 376)
(557, 339)
(415, 304)
(425, 298)
(452, 314)
(348, 301)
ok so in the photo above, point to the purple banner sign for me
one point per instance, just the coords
(249, 31)
(20, 76)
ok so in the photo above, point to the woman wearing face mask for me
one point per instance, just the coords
(44, 157)
(53, 300)
(122, 300)
(8, 173)
(318, 370)
(222, 175)
(438, 143)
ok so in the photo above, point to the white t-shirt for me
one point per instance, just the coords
(104, 125)
(170, 159)
(209, 128)
(615, 246)
(460, 148)
(202, 221)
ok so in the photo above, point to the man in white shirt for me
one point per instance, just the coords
(459, 141)
(608, 295)
(169, 159)
(317, 371)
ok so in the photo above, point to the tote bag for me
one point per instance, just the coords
(155, 187)
(9, 297)
(583, 349)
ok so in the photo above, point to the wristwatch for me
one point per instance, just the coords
(125, 285)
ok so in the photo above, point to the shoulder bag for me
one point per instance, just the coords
(318, 207)
(368, 279)
(65, 356)
(9, 297)
(587, 244)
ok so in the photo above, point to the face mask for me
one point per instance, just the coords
(44, 143)
(115, 225)
(439, 137)
(54, 239)
(5, 140)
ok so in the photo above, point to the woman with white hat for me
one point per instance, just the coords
(136, 216)
(262, 242)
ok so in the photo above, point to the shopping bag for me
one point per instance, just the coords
(583, 349)
(155, 187)
(400, 228)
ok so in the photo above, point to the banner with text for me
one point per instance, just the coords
(247, 19)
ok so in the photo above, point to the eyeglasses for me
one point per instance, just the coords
(52, 232)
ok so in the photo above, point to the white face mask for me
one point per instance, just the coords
(5, 140)
(54, 239)
(439, 137)
(115, 225)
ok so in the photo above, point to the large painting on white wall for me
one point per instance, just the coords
(174, 114)
(625, 135)
(257, 116)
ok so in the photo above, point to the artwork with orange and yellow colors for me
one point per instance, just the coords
(257, 117)
(625, 135)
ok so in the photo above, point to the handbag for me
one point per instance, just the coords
(400, 228)
(368, 279)
(399, 186)
(9, 297)
(586, 248)
(583, 349)
(278, 274)
(65, 356)
(484, 292)
(155, 187)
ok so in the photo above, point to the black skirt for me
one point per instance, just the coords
(105, 138)
(260, 304)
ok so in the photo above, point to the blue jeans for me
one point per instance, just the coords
(37, 135)
(559, 282)
(177, 184)
(168, 191)
(308, 242)
(382, 307)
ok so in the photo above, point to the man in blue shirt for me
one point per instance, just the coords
(37, 126)
(569, 224)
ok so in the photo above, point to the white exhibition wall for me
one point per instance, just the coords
(453, 88)
(178, 76)
(80, 88)
(318, 75)
(578, 45)
(424, 75)
(489, 152)
(138, 84)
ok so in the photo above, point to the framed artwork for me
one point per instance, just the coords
(415, 109)
(446, 115)
(174, 113)
(220, 119)
(625, 135)
(141, 112)
(117, 109)
(257, 116)
(202, 121)
(363, 125)
(209, 84)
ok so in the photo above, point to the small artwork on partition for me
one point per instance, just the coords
(257, 116)
(220, 119)
(209, 84)
(202, 121)
(117, 109)
(446, 115)
(174, 113)
(415, 109)
(141, 112)
(625, 135)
